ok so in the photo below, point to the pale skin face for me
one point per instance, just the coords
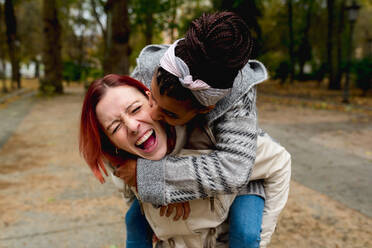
(171, 110)
(124, 114)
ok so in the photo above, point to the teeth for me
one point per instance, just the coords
(144, 137)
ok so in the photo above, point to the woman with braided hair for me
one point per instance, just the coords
(207, 81)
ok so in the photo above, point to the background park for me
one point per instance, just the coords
(317, 103)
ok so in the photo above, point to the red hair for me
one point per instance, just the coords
(94, 145)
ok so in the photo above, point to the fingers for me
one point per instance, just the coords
(162, 210)
(169, 210)
(182, 210)
(186, 209)
(179, 211)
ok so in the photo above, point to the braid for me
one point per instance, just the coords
(216, 47)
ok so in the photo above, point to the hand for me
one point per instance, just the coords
(182, 209)
(128, 172)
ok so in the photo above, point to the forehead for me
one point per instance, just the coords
(122, 94)
(115, 99)
(169, 103)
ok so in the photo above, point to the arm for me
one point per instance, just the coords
(224, 171)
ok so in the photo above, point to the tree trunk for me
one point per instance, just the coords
(332, 82)
(103, 29)
(149, 28)
(13, 42)
(291, 41)
(37, 69)
(4, 89)
(340, 29)
(52, 81)
(173, 20)
(2, 53)
(117, 59)
(305, 46)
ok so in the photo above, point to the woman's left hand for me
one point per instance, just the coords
(182, 210)
(128, 172)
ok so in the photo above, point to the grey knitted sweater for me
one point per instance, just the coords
(227, 169)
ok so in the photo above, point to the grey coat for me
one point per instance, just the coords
(227, 169)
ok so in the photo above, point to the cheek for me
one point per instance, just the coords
(120, 140)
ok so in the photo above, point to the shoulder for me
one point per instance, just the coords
(243, 107)
(151, 54)
(147, 61)
(253, 73)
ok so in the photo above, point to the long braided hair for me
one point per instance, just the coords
(216, 47)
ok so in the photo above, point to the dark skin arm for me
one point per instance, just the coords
(127, 172)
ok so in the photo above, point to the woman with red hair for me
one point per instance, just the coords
(116, 125)
(98, 143)
(112, 104)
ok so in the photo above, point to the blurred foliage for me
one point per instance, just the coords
(84, 34)
(363, 73)
(282, 71)
(74, 72)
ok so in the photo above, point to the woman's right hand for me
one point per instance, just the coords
(182, 210)
(127, 172)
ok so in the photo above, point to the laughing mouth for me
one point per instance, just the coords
(147, 140)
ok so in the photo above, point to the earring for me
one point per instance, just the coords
(116, 151)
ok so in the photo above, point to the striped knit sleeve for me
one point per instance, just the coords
(224, 171)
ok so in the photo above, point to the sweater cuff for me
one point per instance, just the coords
(255, 187)
(150, 181)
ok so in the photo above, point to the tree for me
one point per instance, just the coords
(98, 11)
(79, 34)
(2, 52)
(52, 81)
(149, 16)
(291, 41)
(116, 58)
(173, 14)
(339, 45)
(13, 42)
(332, 82)
(30, 32)
(304, 49)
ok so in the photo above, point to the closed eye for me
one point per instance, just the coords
(136, 109)
(170, 114)
(116, 128)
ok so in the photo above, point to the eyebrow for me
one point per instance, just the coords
(126, 111)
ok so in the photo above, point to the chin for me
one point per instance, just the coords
(159, 155)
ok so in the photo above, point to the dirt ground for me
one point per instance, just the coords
(49, 197)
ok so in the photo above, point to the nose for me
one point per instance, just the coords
(156, 114)
(132, 125)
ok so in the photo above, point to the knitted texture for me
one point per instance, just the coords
(225, 170)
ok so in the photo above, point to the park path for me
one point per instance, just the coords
(331, 151)
(12, 114)
(49, 197)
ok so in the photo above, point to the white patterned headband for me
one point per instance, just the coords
(204, 93)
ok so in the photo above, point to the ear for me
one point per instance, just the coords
(206, 109)
(149, 95)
